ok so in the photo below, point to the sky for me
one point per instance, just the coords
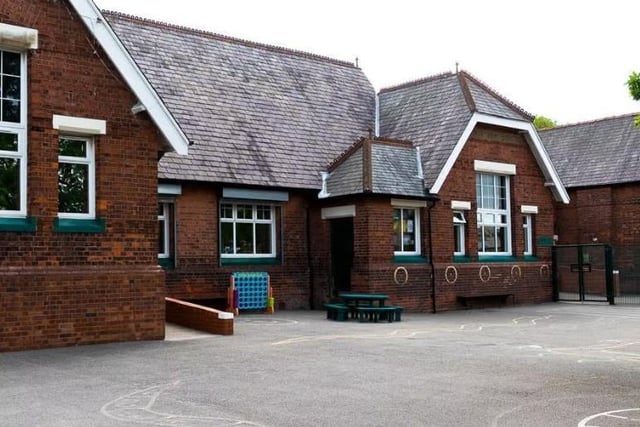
(566, 60)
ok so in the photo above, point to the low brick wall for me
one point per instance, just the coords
(199, 317)
(68, 306)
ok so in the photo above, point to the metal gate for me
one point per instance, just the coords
(583, 273)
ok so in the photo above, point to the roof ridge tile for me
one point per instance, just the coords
(592, 121)
(497, 94)
(230, 39)
(416, 82)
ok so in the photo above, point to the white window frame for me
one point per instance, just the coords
(165, 216)
(459, 225)
(527, 229)
(254, 220)
(89, 160)
(481, 212)
(416, 230)
(19, 129)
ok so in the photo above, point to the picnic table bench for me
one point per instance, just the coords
(364, 307)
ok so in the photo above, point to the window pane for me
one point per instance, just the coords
(10, 111)
(11, 63)
(397, 230)
(458, 230)
(73, 148)
(226, 211)
(8, 142)
(263, 238)
(245, 212)
(501, 239)
(264, 212)
(73, 188)
(161, 209)
(409, 228)
(11, 87)
(162, 250)
(244, 238)
(227, 237)
(9, 184)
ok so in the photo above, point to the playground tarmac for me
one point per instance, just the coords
(544, 365)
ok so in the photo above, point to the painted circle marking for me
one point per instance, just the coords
(620, 414)
(451, 274)
(406, 276)
(544, 271)
(516, 273)
(484, 273)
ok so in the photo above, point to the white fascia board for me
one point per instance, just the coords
(539, 152)
(18, 37)
(79, 125)
(132, 74)
(444, 173)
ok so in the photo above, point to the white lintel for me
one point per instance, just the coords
(494, 167)
(459, 205)
(528, 209)
(16, 37)
(346, 211)
(79, 125)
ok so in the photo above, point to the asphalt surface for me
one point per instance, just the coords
(544, 365)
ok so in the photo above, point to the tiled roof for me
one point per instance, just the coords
(600, 152)
(256, 114)
(434, 112)
(377, 166)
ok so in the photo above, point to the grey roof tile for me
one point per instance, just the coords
(256, 114)
(600, 152)
(377, 167)
(433, 113)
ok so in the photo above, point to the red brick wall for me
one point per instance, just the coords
(374, 269)
(199, 274)
(610, 214)
(589, 216)
(69, 75)
(76, 305)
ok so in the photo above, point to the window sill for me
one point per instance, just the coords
(250, 261)
(71, 225)
(462, 258)
(497, 258)
(20, 225)
(409, 259)
(167, 263)
(530, 258)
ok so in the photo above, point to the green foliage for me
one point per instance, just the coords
(634, 85)
(542, 122)
(634, 90)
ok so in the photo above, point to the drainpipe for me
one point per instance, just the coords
(430, 204)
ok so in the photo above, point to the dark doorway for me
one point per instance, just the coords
(341, 255)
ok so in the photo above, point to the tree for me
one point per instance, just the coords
(542, 122)
(634, 90)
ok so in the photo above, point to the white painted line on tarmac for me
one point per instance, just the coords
(610, 414)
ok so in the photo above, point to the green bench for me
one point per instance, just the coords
(374, 314)
(337, 311)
